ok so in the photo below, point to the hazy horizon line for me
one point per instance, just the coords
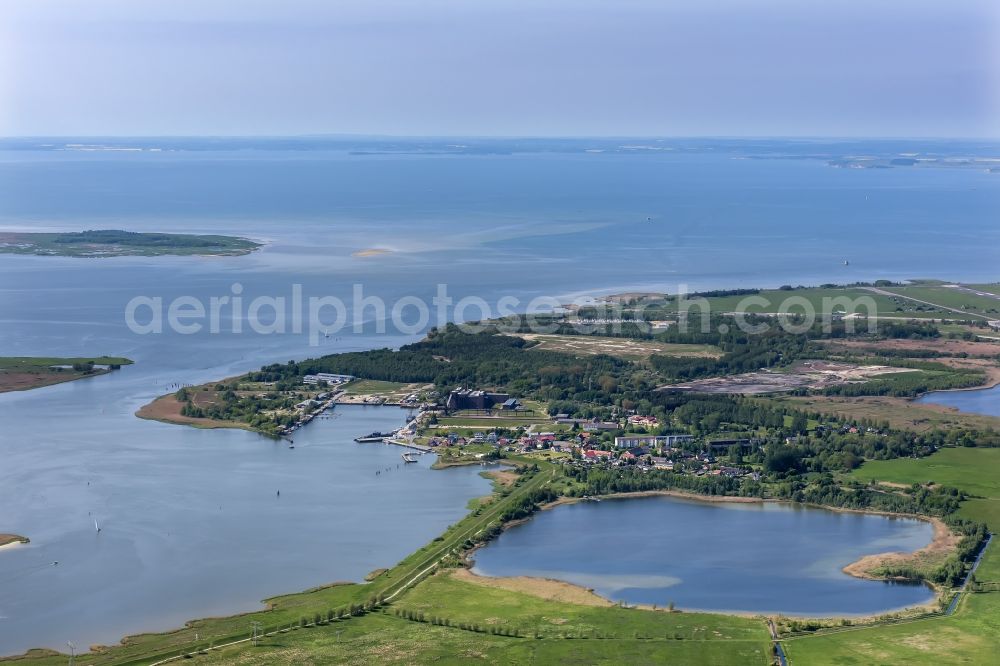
(347, 135)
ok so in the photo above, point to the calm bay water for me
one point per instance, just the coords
(521, 224)
(191, 522)
(760, 557)
(979, 401)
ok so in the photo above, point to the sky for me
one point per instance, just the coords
(861, 68)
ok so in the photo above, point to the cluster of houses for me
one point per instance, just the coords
(309, 409)
(645, 451)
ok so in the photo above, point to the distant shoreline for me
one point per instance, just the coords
(107, 243)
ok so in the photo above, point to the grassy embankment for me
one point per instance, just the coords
(20, 373)
(972, 634)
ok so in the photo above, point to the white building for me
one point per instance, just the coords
(327, 377)
(631, 441)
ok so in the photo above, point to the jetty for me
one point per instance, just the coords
(410, 445)
(373, 437)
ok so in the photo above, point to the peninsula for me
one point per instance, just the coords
(20, 373)
(9, 539)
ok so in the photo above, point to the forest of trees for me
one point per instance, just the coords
(450, 357)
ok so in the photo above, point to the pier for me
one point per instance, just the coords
(410, 445)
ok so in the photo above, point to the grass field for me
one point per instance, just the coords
(624, 348)
(550, 633)
(993, 288)
(977, 471)
(951, 297)
(20, 373)
(972, 634)
(823, 300)
(376, 387)
(386, 639)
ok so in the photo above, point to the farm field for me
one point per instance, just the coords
(972, 634)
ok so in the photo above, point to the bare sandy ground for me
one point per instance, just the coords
(931, 344)
(945, 541)
(167, 409)
(504, 477)
(12, 540)
(543, 588)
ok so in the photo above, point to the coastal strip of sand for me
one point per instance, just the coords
(12, 540)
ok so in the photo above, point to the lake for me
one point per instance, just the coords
(977, 401)
(719, 556)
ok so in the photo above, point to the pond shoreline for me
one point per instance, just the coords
(943, 539)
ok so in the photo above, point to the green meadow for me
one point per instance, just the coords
(972, 634)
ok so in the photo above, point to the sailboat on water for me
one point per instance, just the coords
(97, 526)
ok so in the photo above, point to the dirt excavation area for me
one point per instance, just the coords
(805, 374)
